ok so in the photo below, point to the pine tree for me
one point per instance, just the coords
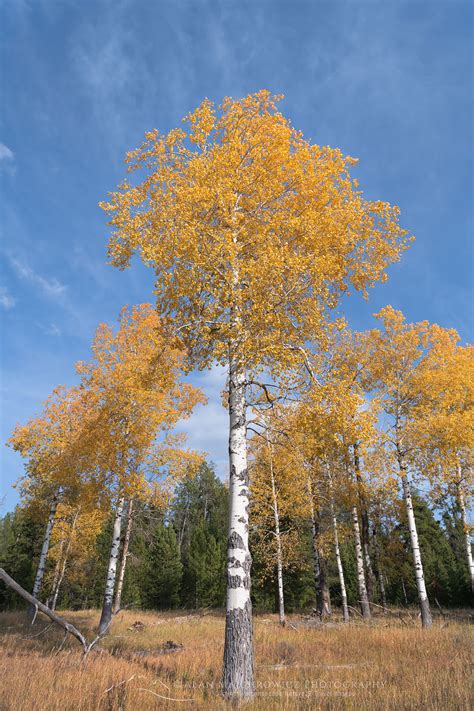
(164, 570)
(20, 543)
(206, 563)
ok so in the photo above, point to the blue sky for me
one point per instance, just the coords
(388, 82)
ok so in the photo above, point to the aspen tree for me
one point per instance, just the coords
(123, 561)
(395, 364)
(134, 375)
(253, 233)
(444, 417)
(53, 448)
(334, 414)
(67, 537)
(275, 496)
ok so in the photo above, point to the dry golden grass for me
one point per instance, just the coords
(384, 665)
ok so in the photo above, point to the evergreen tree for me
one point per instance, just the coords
(20, 543)
(206, 562)
(164, 570)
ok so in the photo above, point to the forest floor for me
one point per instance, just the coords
(389, 663)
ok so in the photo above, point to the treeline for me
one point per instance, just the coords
(177, 557)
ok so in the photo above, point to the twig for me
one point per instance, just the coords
(62, 643)
(439, 608)
(402, 619)
(382, 607)
(38, 633)
(167, 698)
(120, 683)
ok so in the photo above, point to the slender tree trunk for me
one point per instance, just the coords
(57, 573)
(365, 528)
(467, 535)
(324, 603)
(362, 589)
(123, 562)
(183, 528)
(379, 569)
(404, 592)
(64, 562)
(276, 515)
(238, 672)
(314, 542)
(340, 569)
(43, 556)
(323, 599)
(426, 620)
(106, 615)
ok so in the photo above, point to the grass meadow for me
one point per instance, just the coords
(390, 663)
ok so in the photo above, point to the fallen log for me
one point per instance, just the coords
(60, 621)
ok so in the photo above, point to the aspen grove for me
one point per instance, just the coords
(350, 453)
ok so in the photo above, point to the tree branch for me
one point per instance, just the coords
(64, 624)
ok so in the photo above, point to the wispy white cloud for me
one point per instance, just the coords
(7, 160)
(7, 301)
(52, 287)
(51, 329)
(6, 154)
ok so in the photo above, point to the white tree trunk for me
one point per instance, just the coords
(64, 562)
(276, 515)
(340, 569)
(123, 562)
(362, 589)
(43, 556)
(467, 535)
(238, 673)
(380, 573)
(365, 529)
(426, 620)
(106, 615)
(323, 599)
(57, 573)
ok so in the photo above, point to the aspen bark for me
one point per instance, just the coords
(362, 589)
(238, 672)
(467, 535)
(365, 528)
(379, 569)
(426, 620)
(340, 569)
(276, 516)
(123, 562)
(324, 597)
(57, 573)
(43, 556)
(64, 562)
(106, 615)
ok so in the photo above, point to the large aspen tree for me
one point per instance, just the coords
(253, 232)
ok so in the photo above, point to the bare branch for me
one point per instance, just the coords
(67, 626)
